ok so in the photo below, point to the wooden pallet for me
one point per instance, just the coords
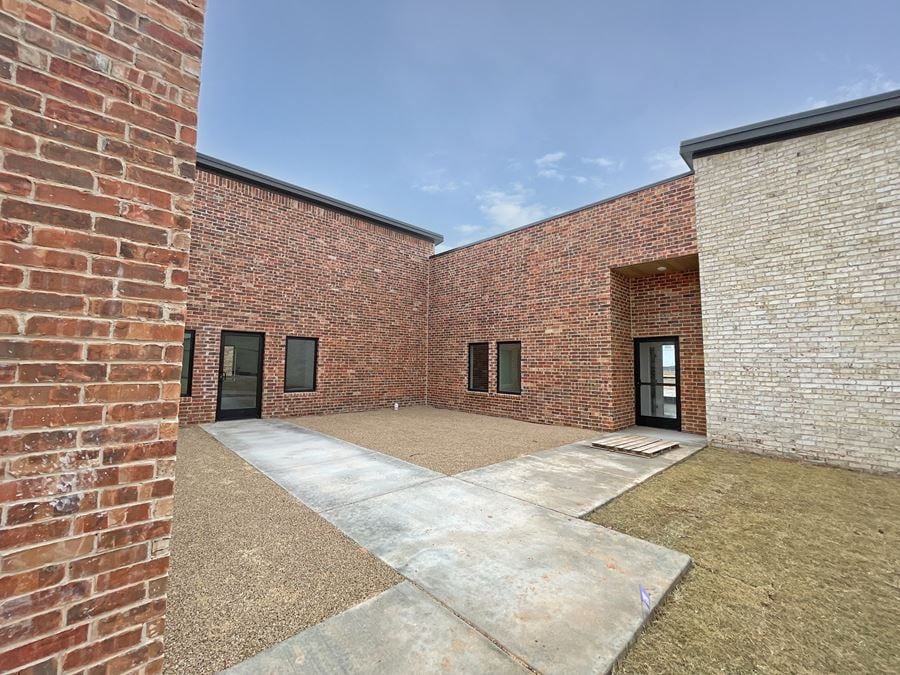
(645, 446)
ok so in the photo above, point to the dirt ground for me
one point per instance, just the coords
(443, 440)
(251, 566)
(796, 567)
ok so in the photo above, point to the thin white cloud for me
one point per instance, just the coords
(435, 181)
(467, 229)
(550, 159)
(665, 161)
(443, 246)
(874, 82)
(506, 209)
(548, 165)
(595, 181)
(551, 173)
(603, 162)
(439, 186)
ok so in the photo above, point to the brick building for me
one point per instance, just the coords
(595, 317)
(384, 321)
(273, 265)
(755, 299)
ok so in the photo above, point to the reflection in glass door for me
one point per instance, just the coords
(240, 375)
(657, 393)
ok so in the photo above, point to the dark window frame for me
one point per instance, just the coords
(487, 376)
(260, 369)
(650, 421)
(315, 382)
(499, 390)
(190, 377)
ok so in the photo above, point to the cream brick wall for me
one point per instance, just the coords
(799, 244)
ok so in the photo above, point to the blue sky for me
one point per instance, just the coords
(470, 118)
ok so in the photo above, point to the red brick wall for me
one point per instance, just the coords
(551, 286)
(266, 262)
(619, 378)
(98, 105)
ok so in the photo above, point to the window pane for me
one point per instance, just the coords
(300, 365)
(659, 401)
(509, 367)
(657, 362)
(478, 366)
(187, 358)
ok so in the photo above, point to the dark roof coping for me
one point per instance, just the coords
(246, 175)
(799, 124)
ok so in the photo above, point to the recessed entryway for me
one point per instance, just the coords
(657, 382)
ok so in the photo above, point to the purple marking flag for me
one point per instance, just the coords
(645, 599)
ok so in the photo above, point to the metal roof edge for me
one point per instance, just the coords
(835, 116)
(246, 175)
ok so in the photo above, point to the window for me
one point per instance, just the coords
(478, 366)
(509, 367)
(187, 363)
(300, 364)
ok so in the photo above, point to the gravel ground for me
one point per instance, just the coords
(443, 440)
(796, 567)
(251, 566)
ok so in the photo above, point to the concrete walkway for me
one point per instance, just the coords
(575, 479)
(401, 630)
(490, 571)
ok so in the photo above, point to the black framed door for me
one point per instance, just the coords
(240, 375)
(657, 382)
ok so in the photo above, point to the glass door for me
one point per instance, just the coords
(240, 375)
(657, 383)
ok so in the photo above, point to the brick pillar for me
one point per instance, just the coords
(98, 101)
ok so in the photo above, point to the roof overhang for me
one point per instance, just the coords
(800, 124)
(682, 263)
(246, 175)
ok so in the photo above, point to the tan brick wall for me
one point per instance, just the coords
(98, 103)
(800, 265)
(266, 262)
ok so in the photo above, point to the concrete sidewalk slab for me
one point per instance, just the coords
(326, 485)
(559, 593)
(281, 455)
(321, 471)
(573, 479)
(423, 638)
(538, 480)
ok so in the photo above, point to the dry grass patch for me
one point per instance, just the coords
(796, 567)
(447, 441)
